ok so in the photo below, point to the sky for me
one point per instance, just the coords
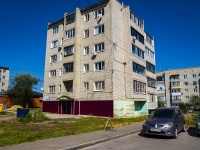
(174, 24)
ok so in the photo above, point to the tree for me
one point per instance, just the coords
(21, 86)
(195, 101)
(161, 103)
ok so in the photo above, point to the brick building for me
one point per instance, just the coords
(99, 61)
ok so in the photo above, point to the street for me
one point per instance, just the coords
(185, 141)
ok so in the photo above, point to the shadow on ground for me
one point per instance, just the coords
(192, 132)
(154, 136)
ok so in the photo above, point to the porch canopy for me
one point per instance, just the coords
(65, 98)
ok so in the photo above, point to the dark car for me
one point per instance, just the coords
(198, 124)
(165, 121)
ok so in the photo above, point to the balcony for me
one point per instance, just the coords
(176, 94)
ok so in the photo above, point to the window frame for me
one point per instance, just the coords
(52, 89)
(99, 66)
(86, 17)
(69, 68)
(70, 33)
(86, 68)
(99, 12)
(86, 33)
(99, 29)
(54, 44)
(86, 50)
(100, 47)
(69, 50)
(99, 86)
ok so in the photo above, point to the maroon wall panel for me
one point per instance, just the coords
(94, 108)
(50, 106)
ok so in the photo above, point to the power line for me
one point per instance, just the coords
(164, 10)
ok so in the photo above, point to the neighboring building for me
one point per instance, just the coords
(4, 78)
(176, 86)
(100, 61)
(35, 102)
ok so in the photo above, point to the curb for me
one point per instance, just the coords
(100, 141)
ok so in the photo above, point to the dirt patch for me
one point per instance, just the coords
(14, 107)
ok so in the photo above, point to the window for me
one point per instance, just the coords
(150, 67)
(139, 87)
(161, 98)
(51, 89)
(68, 67)
(186, 83)
(99, 47)
(86, 33)
(52, 73)
(3, 77)
(187, 97)
(194, 82)
(99, 66)
(174, 77)
(60, 72)
(53, 58)
(99, 13)
(186, 90)
(194, 76)
(86, 68)
(99, 86)
(86, 17)
(69, 50)
(137, 51)
(59, 89)
(151, 82)
(2, 90)
(138, 68)
(3, 83)
(60, 56)
(175, 83)
(185, 76)
(149, 53)
(99, 29)
(54, 44)
(86, 86)
(176, 90)
(195, 90)
(137, 21)
(68, 85)
(149, 39)
(151, 97)
(4, 70)
(160, 78)
(136, 34)
(86, 50)
(70, 18)
(178, 97)
(70, 34)
(55, 30)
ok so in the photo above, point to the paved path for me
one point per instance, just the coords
(77, 141)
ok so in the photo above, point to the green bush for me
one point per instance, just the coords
(36, 116)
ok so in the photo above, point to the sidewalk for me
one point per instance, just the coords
(77, 141)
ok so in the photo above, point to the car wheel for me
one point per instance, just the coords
(184, 128)
(176, 133)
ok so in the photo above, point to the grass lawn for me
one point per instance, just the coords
(15, 132)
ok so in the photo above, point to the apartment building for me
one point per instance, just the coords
(176, 86)
(4, 78)
(99, 61)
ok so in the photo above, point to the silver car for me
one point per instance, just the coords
(165, 121)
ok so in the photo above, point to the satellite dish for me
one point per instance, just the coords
(42, 88)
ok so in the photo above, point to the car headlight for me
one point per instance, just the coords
(168, 125)
(145, 124)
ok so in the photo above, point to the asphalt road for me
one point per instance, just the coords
(185, 141)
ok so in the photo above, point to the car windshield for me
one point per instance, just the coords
(162, 114)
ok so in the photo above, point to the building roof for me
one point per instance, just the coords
(35, 94)
(7, 68)
(178, 69)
